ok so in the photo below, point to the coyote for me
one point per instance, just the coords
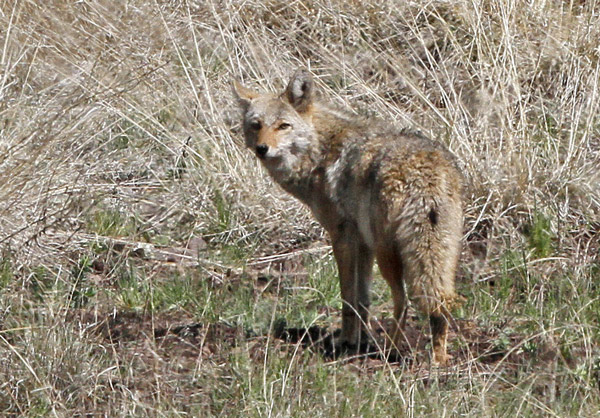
(379, 192)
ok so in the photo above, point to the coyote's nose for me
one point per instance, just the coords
(262, 149)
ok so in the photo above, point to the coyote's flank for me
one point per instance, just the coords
(381, 193)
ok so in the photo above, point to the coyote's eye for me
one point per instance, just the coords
(256, 125)
(283, 125)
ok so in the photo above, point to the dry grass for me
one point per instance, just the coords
(125, 192)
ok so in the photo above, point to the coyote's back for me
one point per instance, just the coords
(381, 193)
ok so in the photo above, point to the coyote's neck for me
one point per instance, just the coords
(299, 179)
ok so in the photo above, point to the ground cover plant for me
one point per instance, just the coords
(149, 267)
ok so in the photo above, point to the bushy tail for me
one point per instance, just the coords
(429, 244)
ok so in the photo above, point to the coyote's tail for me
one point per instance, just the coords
(429, 249)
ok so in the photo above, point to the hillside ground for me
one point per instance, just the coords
(149, 266)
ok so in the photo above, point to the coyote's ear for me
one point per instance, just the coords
(243, 94)
(299, 91)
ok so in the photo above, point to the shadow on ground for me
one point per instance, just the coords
(468, 343)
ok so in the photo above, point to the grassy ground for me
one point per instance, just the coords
(148, 266)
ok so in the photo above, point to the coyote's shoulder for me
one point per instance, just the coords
(379, 191)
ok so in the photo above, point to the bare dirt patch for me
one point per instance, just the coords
(166, 338)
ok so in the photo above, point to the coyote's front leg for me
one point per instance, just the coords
(355, 264)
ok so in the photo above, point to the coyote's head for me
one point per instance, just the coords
(278, 128)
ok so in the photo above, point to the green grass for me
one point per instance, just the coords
(540, 237)
(254, 374)
(110, 222)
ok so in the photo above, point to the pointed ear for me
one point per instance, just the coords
(243, 94)
(299, 91)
